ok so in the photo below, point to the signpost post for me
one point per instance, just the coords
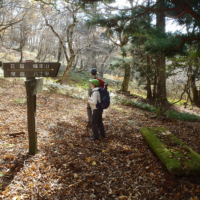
(30, 70)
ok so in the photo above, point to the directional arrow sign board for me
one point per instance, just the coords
(34, 86)
(31, 69)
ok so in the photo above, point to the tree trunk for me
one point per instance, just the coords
(75, 63)
(161, 78)
(39, 49)
(104, 61)
(125, 83)
(149, 94)
(81, 65)
(194, 89)
(21, 44)
(66, 72)
(101, 73)
(198, 101)
(160, 23)
(161, 85)
(154, 85)
(160, 64)
(59, 52)
(71, 56)
(21, 54)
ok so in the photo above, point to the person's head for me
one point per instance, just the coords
(93, 72)
(94, 83)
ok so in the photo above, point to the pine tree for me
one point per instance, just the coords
(120, 32)
(162, 44)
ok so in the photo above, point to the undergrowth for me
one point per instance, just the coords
(77, 88)
(172, 113)
(79, 79)
(183, 116)
(66, 90)
(20, 101)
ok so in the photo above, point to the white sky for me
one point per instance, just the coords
(171, 26)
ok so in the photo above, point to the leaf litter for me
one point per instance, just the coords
(70, 166)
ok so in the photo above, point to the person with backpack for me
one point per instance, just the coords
(96, 112)
(93, 73)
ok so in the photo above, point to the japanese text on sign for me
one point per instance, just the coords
(31, 69)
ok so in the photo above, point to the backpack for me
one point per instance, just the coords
(105, 98)
(101, 82)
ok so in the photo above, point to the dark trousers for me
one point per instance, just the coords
(89, 113)
(97, 123)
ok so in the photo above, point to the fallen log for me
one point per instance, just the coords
(177, 157)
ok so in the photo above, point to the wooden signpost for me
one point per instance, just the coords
(34, 86)
(30, 70)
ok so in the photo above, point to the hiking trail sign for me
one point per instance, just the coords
(34, 85)
(31, 69)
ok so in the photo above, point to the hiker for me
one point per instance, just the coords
(89, 110)
(96, 112)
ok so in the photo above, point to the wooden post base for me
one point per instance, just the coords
(32, 122)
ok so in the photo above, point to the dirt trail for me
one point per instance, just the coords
(70, 166)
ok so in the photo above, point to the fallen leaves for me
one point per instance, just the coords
(70, 166)
(1, 174)
(94, 163)
(177, 196)
(75, 175)
(47, 186)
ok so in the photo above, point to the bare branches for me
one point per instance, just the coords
(56, 34)
(44, 2)
(10, 24)
(7, 22)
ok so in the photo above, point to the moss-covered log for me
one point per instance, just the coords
(178, 158)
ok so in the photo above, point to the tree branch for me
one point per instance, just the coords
(12, 23)
(114, 42)
(133, 8)
(178, 16)
(56, 34)
(7, 26)
(185, 40)
(81, 70)
(184, 6)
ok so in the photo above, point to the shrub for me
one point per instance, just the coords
(173, 114)
(67, 90)
(183, 116)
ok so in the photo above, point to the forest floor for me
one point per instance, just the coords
(70, 166)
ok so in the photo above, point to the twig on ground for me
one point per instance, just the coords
(16, 134)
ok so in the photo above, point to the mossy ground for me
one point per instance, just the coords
(174, 154)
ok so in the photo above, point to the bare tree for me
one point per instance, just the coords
(70, 27)
(12, 12)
